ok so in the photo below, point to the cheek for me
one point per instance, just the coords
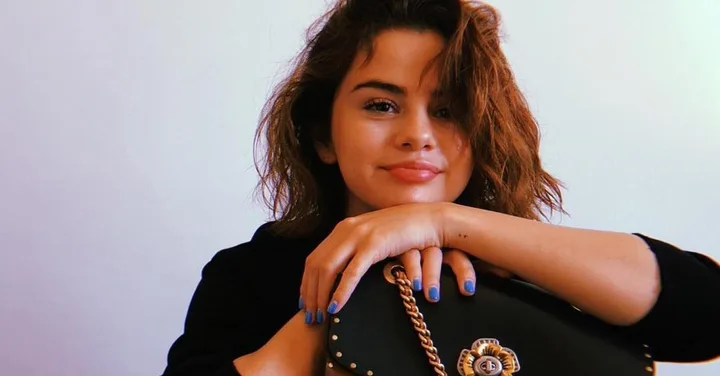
(354, 137)
(459, 153)
(341, 128)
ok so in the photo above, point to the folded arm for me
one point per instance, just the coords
(666, 297)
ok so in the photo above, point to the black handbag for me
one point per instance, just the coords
(508, 328)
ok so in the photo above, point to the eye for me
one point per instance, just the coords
(379, 105)
(443, 113)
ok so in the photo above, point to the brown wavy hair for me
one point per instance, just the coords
(305, 194)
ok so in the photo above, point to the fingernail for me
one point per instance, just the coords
(319, 316)
(332, 308)
(301, 304)
(417, 285)
(434, 293)
(470, 286)
(308, 317)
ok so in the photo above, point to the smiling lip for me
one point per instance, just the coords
(413, 172)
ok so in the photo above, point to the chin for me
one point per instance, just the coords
(371, 198)
(389, 200)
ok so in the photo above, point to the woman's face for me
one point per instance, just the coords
(392, 134)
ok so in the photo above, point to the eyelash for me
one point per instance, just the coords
(373, 106)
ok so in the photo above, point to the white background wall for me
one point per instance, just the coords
(125, 150)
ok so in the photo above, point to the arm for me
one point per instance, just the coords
(656, 291)
(585, 267)
(296, 350)
(232, 328)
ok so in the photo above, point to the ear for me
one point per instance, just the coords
(326, 153)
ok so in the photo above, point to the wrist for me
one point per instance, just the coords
(453, 227)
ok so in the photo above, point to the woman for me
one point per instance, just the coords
(402, 133)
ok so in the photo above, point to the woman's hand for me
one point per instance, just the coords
(357, 243)
(423, 269)
(414, 232)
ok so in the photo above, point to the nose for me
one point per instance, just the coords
(416, 132)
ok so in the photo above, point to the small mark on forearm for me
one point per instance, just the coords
(464, 236)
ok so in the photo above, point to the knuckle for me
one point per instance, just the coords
(310, 301)
(412, 268)
(325, 269)
(349, 224)
(410, 259)
(432, 251)
(413, 253)
(456, 257)
(466, 271)
(363, 228)
(351, 274)
(376, 257)
(430, 272)
(343, 291)
(309, 261)
(351, 221)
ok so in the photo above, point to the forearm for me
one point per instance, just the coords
(296, 350)
(613, 276)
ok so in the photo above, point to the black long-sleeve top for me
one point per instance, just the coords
(248, 292)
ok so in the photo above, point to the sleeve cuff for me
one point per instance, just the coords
(682, 325)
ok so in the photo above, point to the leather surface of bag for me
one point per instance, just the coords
(508, 328)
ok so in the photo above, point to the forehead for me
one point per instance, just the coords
(402, 56)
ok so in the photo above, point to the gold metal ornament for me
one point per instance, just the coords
(395, 273)
(488, 358)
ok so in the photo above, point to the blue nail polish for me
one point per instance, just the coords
(319, 317)
(301, 304)
(417, 285)
(308, 317)
(469, 286)
(332, 308)
(434, 293)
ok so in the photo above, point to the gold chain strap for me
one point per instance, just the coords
(404, 285)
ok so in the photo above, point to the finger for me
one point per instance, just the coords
(327, 277)
(411, 262)
(432, 258)
(356, 268)
(325, 281)
(309, 292)
(303, 283)
(463, 269)
(303, 287)
(321, 269)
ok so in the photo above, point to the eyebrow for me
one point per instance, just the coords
(380, 85)
(388, 87)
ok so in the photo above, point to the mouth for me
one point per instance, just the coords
(413, 171)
